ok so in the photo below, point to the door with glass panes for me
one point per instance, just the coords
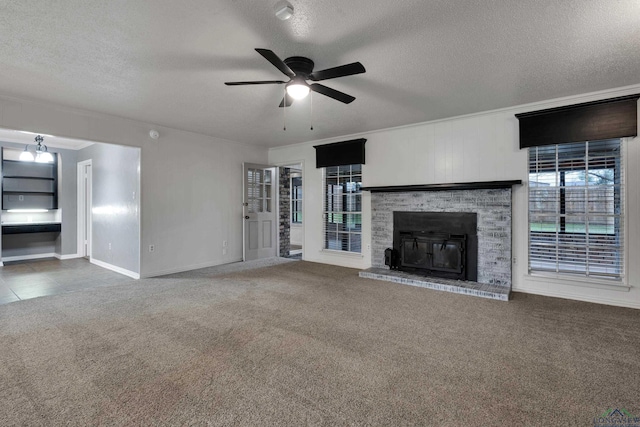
(260, 225)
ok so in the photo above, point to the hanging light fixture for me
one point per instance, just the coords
(42, 154)
(26, 155)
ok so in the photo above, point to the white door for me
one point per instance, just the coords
(84, 208)
(260, 221)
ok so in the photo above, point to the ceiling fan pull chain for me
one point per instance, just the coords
(311, 101)
(284, 109)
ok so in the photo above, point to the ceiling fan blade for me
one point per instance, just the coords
(341, 71)
(286, 101)
(332, 93)
(277, 62)
(263, 82)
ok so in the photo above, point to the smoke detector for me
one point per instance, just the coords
(283, 10)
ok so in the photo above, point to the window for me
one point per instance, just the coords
(296, 199)
(258, 190)
(343, 208)
(576, 209)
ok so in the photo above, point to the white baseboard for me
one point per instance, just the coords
(577, 297)
(28, 257)
(114, 268)
(189, 268)
(68, 256)
(38, 256)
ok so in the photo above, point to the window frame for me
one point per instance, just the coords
(584, 277)
(296, 202)
(342, 211)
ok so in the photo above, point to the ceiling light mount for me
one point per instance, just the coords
(154, 134)
(300, 65)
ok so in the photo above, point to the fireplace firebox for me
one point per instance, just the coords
(435, 244)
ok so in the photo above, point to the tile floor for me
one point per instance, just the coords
(21, 280)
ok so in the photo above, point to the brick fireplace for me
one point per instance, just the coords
(492, 209)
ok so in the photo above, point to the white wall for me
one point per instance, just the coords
(191, 184)
(480, 147)
(115, 194)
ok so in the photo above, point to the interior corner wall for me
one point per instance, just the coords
(479, 147)
(66, 241)
(191, 184)
(115, 171)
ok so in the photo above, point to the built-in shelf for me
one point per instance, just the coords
(479, 185)
(27, 177)
(29, 192)
(22, 162)
(28, 185)
(31, 228)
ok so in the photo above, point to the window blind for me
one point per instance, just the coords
(342, 216)
(576, 208)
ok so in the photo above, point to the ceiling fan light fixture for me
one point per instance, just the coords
(298, 90)
(299, 69)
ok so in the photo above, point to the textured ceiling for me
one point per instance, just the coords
(165, 61)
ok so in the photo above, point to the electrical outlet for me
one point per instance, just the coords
(515, 260)
(152, 248)
(224, 243)
(109, 246)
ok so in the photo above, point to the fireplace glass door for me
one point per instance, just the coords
(446, 256)
(437, 252)
(415, 253)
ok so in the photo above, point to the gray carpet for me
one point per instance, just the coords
(309, 344)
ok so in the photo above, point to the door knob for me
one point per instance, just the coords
(246, 217)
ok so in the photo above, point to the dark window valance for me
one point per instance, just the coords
(340, 153)
(591, 121)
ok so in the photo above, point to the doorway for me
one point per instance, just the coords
(291, 211)
(85, 199)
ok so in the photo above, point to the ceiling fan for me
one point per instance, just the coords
(300, 69)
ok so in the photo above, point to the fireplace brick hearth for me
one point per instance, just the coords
(493, 209)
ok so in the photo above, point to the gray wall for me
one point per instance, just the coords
(63, 243)
(116, 204)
